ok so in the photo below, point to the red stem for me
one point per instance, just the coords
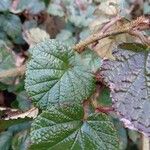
(104, 109)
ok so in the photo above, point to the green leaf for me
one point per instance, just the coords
(78, 18)
(91, 59)
(17, 88)
(56, 10)
(123, 139)
(67, 37)
(134, 136)
(6, 137)
(4, 38)
(19, 127)
(146, 8)
(124, 6)
(84, 33)
(7, 61)
(21, 141)
(29, 24)
(104, 98)
(4, 5)
(57, 74)
(3, 86)
(5, 140)
(64, 127)
(4, 124)
(23, 101)
(129, 80)
(11, 24)
(80, 14)
(33, 7)
(136, 47)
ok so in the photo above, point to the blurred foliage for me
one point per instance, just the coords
(22, 22)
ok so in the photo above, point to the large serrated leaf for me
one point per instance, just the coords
(129, 80)
(57, 74)
(64, 128)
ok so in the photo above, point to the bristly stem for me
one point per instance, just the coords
(141, 23)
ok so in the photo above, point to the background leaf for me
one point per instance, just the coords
(11, 24)
(21, 141)
(33, 7)
(4, 5)
(67, 37)
(4, 124)
(56, 10)
(7, 61)
(147, 8)
(129, 80)
(5, 140)
(23, 101)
